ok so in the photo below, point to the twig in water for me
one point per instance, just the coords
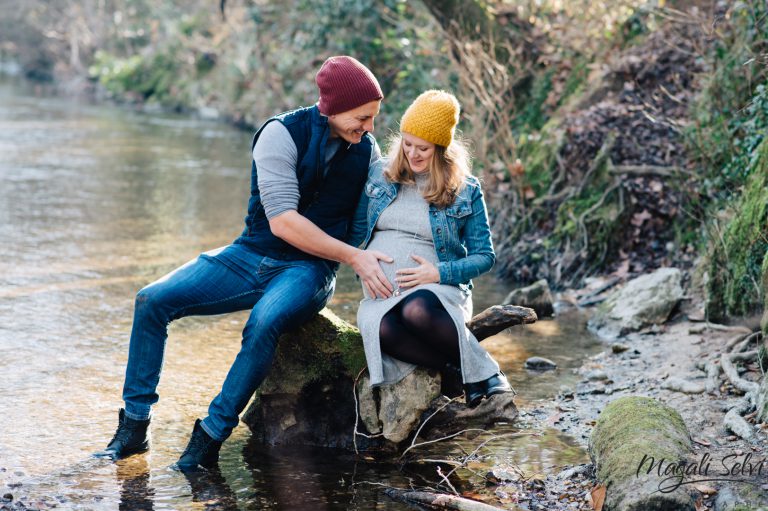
(440, 439)
(445, 478)
(355, 432)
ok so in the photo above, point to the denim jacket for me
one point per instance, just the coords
(460, 231)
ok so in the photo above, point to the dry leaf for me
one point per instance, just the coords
(598, 497)
(699, 504)
(639, 218)
(517, 169)
(702, 442)
(529, 193)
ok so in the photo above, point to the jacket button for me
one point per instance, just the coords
(439, 230)
(442, 249)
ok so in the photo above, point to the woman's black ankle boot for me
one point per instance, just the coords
(450, 381)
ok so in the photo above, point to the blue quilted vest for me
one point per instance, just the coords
(327, 201)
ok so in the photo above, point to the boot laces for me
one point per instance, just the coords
(198, 442)
(123, 433)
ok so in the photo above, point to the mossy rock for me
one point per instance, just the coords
(307, 397)
(737, 263)
(632, 430)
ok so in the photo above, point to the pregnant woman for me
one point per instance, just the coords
(427, 212)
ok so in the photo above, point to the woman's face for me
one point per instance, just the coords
(418, 151)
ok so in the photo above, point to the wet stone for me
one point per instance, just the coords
(619, 348)
(540, 364)
(596, 375)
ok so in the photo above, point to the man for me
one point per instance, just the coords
(307, 175)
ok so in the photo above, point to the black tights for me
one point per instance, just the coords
(419, 330)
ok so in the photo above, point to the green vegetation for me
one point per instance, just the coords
(262, 59)
(727, 139)
(549, 83)
(737, 254)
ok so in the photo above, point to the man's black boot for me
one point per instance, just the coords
(131, 437)
(202, 451)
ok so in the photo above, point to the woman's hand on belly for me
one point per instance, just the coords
(424, 273)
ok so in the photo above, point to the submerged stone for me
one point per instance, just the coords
(540, 364)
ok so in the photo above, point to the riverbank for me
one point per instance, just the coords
(657, 363)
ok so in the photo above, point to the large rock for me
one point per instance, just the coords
(395, 410)
(537, 296)
(642, 302)
(308, 397)
(634, 431)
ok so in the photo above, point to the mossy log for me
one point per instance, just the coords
(309, 397)
(634, 441)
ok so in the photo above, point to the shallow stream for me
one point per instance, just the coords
(97, 201)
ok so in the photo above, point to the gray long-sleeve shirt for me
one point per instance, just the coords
(276, 158)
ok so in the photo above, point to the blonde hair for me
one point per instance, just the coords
(447, 170)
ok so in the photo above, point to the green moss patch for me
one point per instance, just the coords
(630, 428)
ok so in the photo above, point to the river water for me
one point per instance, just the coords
(97, 201)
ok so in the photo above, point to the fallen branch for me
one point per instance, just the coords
(438, 500)
(499, 317)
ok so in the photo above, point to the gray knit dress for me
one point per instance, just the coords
(403, 229)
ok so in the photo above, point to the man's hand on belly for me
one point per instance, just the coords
(366, 265)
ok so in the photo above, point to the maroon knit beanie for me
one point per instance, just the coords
(345, 84)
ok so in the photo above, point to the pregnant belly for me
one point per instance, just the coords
(401, 248)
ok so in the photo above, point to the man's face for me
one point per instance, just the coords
(352, 124)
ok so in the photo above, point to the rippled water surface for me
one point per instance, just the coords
(96, 202)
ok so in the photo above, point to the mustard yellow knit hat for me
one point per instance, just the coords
(433, 117)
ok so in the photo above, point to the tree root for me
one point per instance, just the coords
(681, 385)
(734, 420)
(736, 424)
(698, 329)
(712, 385)
(438, 500)
(726, 362)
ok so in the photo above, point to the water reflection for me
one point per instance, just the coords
(210, 488)
(96, 202)
(133, 479)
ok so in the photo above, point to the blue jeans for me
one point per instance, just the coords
(281, 294)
